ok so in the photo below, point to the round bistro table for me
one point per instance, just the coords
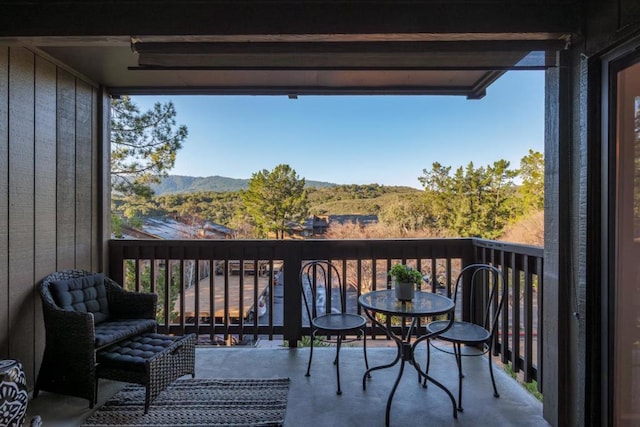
(424, 304)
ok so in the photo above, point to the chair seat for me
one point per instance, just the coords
(464, 332)
(339, 322)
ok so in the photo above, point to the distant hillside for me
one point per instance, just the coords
(191, 184)
(357, 199)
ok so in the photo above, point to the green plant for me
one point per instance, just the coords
(531, 387)
(404, 273)
(305, 341)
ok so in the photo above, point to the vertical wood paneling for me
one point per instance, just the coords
(48, 143)
(66, 161)
(4, 202)
(21, 207)
(45, 188)
(96, 254)
(83, 175)
(104, 179)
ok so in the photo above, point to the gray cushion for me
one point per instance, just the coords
(115, 330)
(136, 352)
(86, 294)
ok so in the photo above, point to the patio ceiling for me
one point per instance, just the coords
(455, 64)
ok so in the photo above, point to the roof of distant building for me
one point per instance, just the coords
(175, 229)
(354, 219)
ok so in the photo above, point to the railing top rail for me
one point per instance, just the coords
(536, 251)
(272, 242)
(323, 248)
(308, 249)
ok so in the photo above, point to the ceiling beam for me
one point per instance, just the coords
(158, 17)
(343, 55)
(338, 47)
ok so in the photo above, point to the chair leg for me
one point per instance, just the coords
(493, 381)
(337, 363)
(95, 394)
(312, 338)
(458, 354)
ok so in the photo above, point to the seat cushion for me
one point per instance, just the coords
(115, 330)
(134, 353)
(86, 294)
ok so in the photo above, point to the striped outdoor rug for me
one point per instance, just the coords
(199, 402)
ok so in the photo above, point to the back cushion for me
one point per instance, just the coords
(86, 294)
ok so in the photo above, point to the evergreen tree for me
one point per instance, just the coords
(407, 215)
(143, 149)
(143, 145)
(532, 188)
(473, 202)
(275, 200)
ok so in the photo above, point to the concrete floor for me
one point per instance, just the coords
(313, 400)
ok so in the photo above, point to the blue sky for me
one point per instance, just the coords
(387, 140)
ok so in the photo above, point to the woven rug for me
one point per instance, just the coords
(199, 402)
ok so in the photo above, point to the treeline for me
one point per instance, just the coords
(470, 201)
(483, 201)
(224, 207)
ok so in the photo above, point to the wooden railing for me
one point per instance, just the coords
(238, 290)
(519, 339)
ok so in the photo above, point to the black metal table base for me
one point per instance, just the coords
(405, 354)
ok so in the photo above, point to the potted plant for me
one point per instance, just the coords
(406, 278)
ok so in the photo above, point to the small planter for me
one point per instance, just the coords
(405, 290)
(405, 279)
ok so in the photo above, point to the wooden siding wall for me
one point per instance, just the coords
(49, 200)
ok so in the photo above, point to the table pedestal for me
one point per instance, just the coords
(405, 354)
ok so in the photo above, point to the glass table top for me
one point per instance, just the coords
(423, 303)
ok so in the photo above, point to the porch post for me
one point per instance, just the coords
(292, 327)
(563, 234)
(101, 261)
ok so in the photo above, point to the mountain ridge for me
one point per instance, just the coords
(172, 184)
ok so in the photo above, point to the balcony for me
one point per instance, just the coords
(241, 292)
(228, 287)
(313, 401)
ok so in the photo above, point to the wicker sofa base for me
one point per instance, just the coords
(152, 360)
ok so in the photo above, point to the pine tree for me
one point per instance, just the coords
(275, 200)
(143, 145)
(143, 149)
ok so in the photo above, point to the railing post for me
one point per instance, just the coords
(292, 324)
(467, 259)
(116, 260)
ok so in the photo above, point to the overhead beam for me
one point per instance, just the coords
(339, 55)
(294, 91)
(157, 17)
(140, 45)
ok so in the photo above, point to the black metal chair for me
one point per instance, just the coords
(325, 300)
(484, 285)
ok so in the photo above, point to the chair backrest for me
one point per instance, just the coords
(484, 288)
(77, 290)
(321, 288)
